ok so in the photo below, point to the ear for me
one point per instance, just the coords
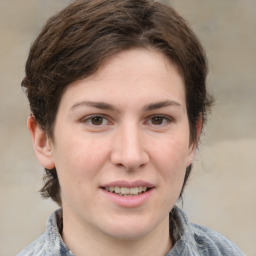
(193, 145)
(42, 143)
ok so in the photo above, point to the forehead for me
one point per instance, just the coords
(132, 75)
(136, 61)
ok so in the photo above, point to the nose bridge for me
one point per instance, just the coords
(128, 149)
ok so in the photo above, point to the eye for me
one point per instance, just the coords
(95, 120)
(159, 120)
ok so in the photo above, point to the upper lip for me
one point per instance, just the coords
(128, 184)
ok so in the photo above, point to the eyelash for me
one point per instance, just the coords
(105, 120)
(167, 119)
(89, 119)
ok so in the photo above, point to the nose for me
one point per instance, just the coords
(128, 148)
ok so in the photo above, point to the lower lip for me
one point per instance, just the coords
(129, 201)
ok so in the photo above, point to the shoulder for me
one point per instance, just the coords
(208, 239)
(38, 247)
(42, 246)
(192, 239)
(50, 243)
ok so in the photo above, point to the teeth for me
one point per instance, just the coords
(117, 190)
(134, 191)
(126, 191)
(111, 189)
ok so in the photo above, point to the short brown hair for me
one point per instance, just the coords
(74, 43)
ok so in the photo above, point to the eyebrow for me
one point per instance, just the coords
(99, 105)
(161, 104)
(107, 106)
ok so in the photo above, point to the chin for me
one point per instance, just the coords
(130, 229)
(129, 234)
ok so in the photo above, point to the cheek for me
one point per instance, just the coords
(170, 158)
(79, 159)
(78, 165)
(174, 151)
(170, 163)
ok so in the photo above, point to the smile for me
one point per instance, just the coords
(128, 194)
(124, 191)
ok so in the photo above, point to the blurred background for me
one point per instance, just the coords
(221, 193)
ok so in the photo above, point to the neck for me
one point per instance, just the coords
(84, 240)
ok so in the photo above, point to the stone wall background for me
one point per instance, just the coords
(221, 193)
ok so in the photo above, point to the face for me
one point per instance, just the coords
(121, 145)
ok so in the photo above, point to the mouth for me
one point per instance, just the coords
(128, 194)
(125, 191)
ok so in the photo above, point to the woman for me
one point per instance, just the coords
(118, 102)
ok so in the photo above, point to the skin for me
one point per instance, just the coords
(140, 133)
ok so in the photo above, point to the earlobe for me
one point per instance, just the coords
(41, 142)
